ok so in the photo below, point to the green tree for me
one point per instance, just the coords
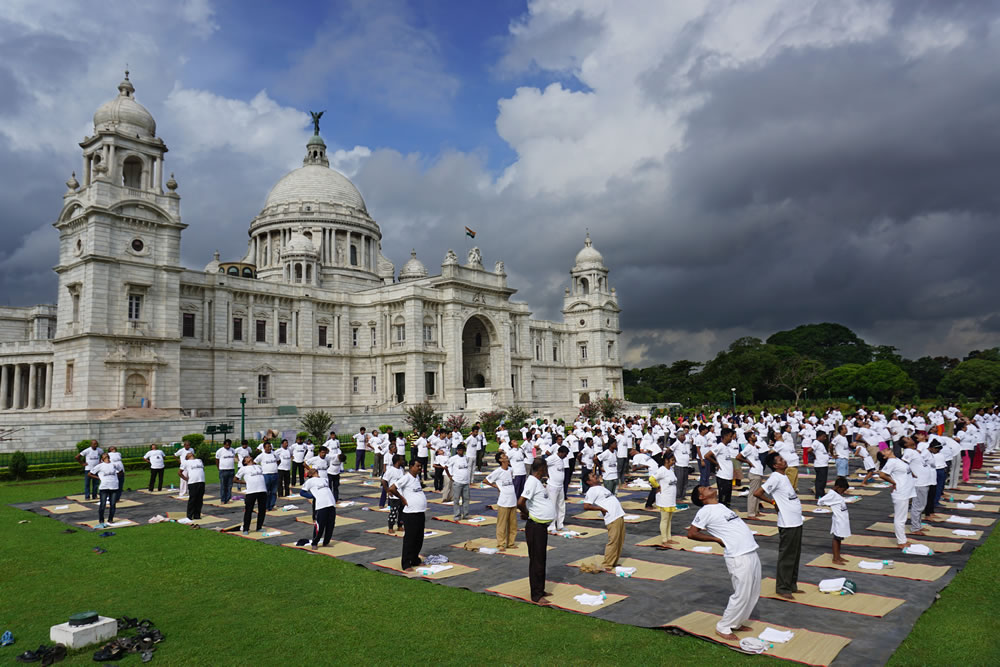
(838, 381)
(832, 344)
(422, 417)
(317, 423)
(517, 415)
(992, 354)
(641, 394)
(795, 372)
(18, 466)
(975, 377)
(884, 381)
(490, 420)
(928, 372)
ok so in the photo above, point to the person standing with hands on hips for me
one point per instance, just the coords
(226, 457)
(538, 511)
(411, 494)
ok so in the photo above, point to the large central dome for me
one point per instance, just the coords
(315, 183)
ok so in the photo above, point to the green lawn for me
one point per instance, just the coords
(227, 601)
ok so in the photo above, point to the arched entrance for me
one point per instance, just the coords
(135, 390)
(476, 354)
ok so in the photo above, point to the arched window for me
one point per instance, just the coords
(584, 286)
(354, 255)
(233, 271)
(132, 172)
(247, 272)
(298, 273)
(600, 284)
(479, 340)
(309, 273)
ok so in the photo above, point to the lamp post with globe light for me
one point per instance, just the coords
(734, 400)
(243, 413)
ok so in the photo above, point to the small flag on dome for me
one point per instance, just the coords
(470, 233)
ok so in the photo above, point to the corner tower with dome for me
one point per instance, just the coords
(312, 316)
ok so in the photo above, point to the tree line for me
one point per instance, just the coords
(816, 361)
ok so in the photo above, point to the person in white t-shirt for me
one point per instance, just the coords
(459, 471)
(324, 507)
(423, 452)
(538, 512)
(720, 456)
(502, 480)
(226, 458)
(268, 461)
(193, 472)
(299, 451)
(600, 499)
(409, 490)
(715, 522)
(284, 455)
(821, 462)
(88, 458)
(442, 482)
(116, 460)
(252, 475)
(106, 474)
(901, 478)
(360, 446)
(156, 466)
(182, 455)
(608, 461)
(664, 482)
(389, 477)
(557, 489)
(786, 500)
(840, 520)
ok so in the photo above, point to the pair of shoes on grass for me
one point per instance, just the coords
(46, 655)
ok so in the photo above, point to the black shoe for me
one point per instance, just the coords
(33, 656)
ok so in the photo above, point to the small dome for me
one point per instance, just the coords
(315, 183)
(316, 140)
(299, 245)
(124, 114)
(588, 257)
(213, 266)
(413, 269)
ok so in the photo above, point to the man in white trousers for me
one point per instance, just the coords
(715, 522)
(556, 486)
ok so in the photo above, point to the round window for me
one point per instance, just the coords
(137, 245)
(583, 323)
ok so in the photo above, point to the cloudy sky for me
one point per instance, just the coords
(744, 166)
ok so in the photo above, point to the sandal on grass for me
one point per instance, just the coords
(55, 654)
(110, 652)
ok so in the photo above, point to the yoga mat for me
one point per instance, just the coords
(185, 498)
(127, 503)
(376, 496)
(454, 571)
(562, 595)
(684, 544)
(336, 549)
(66, 508)
(944, 517)
(80, 498)
(280, 512)
(384, 530)
(979, 506)
(644, 568)
(932, 531)
(341, 521)
(519, 549)
(487, 520)
(585, 531)
(112, 525)
(859, 603)
(806, 647)
(890, 543)
(204, 520)
(161, 492)
(592, 515)
(628, 505)
(771, 516)
(973, 488)
(857, 490)
(265, 534)
(903, 570)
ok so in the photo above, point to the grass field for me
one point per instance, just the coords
(221, 600)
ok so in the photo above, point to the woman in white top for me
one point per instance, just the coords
(821, 462)
(324, 506)
(252, 475)
(502, 480)
(106, 473)
(193, 472)
(665, 482)
(116, 460)
(408, 489)
(901, 479)
(842, 450)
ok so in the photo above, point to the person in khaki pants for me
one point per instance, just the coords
(502, 480)
(600, 499)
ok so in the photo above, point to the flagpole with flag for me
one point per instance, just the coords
(471, 233)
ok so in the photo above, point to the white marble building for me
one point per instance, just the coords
(314, 316)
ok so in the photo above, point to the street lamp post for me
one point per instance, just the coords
(805, 390)
(243, 413)
(734, 400)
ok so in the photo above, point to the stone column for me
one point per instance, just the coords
(17, 387)
(274, 317)
(111, 166)
(121, 388)
(32, 386)
(4, 385)
(151, 399)
(50, 371)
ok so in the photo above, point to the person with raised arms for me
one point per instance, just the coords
(715, 522)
